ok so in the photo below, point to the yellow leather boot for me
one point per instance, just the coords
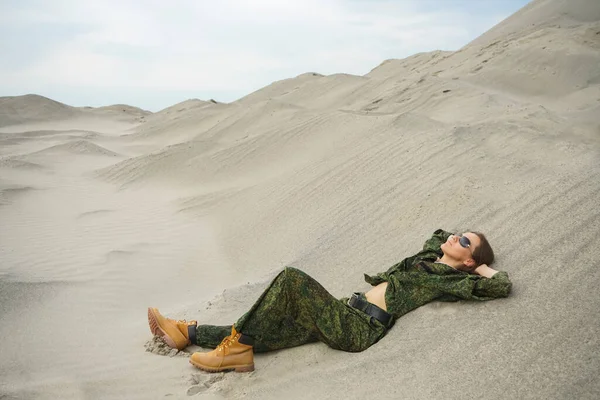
(176, 334)
(231, 354)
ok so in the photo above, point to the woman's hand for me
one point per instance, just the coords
(484, 270)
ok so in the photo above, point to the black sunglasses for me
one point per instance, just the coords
(464, 242)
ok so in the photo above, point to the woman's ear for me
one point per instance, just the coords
(470, 263)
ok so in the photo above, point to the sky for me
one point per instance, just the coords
(155, 53)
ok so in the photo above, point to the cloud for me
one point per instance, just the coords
(226, 46)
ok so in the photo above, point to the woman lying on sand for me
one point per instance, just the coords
(295, 309)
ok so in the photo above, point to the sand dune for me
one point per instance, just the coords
(77, 147)
(19, 109)
(35, 109)
(195, 208)
(278, 88)
(183, 106)
(43, 158)
(540, 14)
(8, 193)
(121, 110)
(17, 162)
(180, 123)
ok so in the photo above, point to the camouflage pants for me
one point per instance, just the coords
(295, 309)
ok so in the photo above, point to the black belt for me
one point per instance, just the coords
(358, 301)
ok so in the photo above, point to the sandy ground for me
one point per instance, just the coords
(104, 212)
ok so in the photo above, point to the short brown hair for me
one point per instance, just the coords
(483, 254)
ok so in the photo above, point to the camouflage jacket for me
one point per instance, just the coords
(417, 280)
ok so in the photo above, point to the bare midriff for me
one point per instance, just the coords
(377, 295)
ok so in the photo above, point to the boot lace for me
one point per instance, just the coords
(228, 341)
(186, 322)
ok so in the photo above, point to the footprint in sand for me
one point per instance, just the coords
(203, 382)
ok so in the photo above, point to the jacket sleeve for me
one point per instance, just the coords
(497, 286)
(475, 287)
(435, 242)
(374, 280)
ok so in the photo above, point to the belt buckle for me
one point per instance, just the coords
(353, 296)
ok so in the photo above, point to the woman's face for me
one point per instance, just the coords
(453, 247)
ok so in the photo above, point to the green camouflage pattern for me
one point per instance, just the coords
(418, 280)
(295, 309)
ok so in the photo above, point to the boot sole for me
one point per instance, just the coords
(236, 368)
(157, 330)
